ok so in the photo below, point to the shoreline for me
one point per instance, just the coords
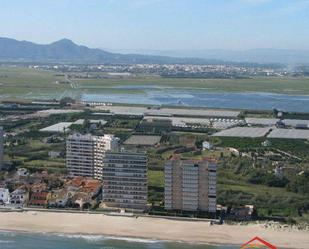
(147, 228)
(114, 237)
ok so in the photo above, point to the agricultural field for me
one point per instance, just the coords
(24, 83)
(261, 84)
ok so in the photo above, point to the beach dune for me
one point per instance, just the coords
(149, 228)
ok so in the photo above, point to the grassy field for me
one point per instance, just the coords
(28, 83)
(274, 85)
(24, 83)
(156, 178)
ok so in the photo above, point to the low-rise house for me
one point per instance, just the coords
(242, 213)
(83, 200)
(83, 191)
(280, 124)
(234, 152)
(53, 139)
(266, 143)
(92, 187)
(22, 172)
(39, 196)
(38, 187)
(83, 184)
(37, 178)
(75, 181)
(19, 197)
(207, 145)
(4, 196)
(59, 198)
(54, 154)
(278, 172)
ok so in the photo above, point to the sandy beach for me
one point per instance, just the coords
(149, 228)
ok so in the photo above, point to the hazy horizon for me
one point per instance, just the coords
(161, 24)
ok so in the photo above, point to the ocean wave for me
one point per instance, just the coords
(4, 233)
(96, 238)
(6, 241)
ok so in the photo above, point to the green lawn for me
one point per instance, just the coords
(155, 178)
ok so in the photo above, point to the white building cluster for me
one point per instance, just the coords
(124, 173)
(189, 185)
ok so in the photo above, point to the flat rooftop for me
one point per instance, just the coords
(59, 127)
(65, 125)
(289, 133)
(243, 132)
(131, 110)
(142, 140)
(262, 121)
(57, 111)
(217, 123)
(296, 122)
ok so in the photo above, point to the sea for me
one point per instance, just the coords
(156, 95)
(14, 240)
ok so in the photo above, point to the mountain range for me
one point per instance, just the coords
(259, 55)
(66, 51)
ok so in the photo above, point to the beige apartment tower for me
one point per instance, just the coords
(84, 154)
(190, 185)
(124, 180)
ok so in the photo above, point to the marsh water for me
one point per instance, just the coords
(203, 98)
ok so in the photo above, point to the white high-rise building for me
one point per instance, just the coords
(190, 185)
(107, 143)
(124, 178)
(84, 153)
(1, 148)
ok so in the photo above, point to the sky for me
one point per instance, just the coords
(160, 24)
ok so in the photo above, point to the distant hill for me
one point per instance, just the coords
(284, 56)
(67, 51)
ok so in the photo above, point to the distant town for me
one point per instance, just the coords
(219, 71)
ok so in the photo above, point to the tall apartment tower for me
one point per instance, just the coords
(190, 185)
(124, 180)
(84, 153)
(1, 148)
